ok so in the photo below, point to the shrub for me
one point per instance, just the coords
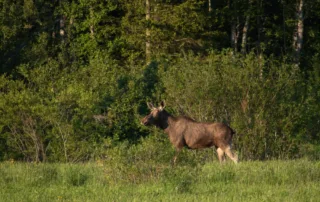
(262, 99)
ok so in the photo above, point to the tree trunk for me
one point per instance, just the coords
(234, 25)
(235, 35)
(284, 27)
(209, 6)
(298, 34)
(258, 44)
(148, 33)
(62, 26)
(91, 23)
(245, 35)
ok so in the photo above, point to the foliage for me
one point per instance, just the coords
(260, 99)
(74, 81)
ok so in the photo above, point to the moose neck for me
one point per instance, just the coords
(170, 123)
(165, 121)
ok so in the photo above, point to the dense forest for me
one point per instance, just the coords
(76, 74)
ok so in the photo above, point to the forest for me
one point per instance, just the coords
(75, 75)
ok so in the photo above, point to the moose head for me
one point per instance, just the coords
(158, 116)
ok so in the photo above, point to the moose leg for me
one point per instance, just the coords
(177, 151)
(220, 155)
(231, 155)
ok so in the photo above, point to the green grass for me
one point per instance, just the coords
(295, 180)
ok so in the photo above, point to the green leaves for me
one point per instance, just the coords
(76, 75)
(260, 98)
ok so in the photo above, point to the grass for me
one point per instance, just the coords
(294, 180)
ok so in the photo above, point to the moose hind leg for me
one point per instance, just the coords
(231, 155)
(177, 151)
(221, 155)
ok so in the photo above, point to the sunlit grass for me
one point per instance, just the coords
(296, 180)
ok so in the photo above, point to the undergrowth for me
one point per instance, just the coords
(143, 173)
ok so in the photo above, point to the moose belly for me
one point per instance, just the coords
(199, 143)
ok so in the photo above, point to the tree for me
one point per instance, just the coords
(148, 34)
(245, 29)
(298, 33)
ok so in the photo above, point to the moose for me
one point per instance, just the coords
(185, 132)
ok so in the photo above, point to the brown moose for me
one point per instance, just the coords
(183, 131)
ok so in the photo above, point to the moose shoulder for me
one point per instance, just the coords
(185, 132)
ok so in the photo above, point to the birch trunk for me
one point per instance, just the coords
(235, 35)
(148, 33)
(234, 26)
(91, 23)
(298, 34)
(245, 35)
(259, 28)
(62, 26)
(62, 23)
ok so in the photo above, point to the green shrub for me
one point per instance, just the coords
(262, 99)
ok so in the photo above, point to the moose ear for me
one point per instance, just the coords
(162, 105)
(150, 105)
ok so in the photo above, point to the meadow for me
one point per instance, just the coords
(275, 180)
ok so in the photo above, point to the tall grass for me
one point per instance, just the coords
(296, 180)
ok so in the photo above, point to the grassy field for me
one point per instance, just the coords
(296, 180)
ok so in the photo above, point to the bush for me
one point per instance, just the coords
(77, 113)
(262, 99)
